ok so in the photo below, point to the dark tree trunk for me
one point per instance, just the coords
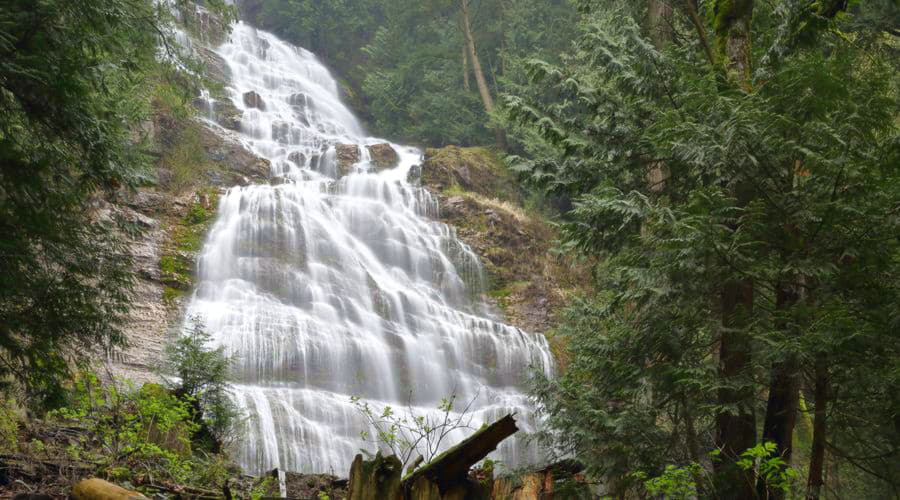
(736, 422)
(735, 427)
(784, 392)
(817, 454)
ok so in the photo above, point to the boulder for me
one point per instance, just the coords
(253, 100)
(227, 115)
(298, 158)
(383, 156)
(227, 153)
(98, 489)
(472, 169)
(414, 176)
(215, 68)
(346, 155)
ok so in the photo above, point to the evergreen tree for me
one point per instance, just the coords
(750, 261)
(73, 87)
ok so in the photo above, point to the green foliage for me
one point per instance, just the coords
(185, 160)
(201, 376)
(675, 483)
(683, 182)
(9, 427)
(768, 466)
(76, 81)
(129, 431)
(414, 438)
(404, 57)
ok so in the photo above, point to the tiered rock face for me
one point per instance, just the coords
(479, 198)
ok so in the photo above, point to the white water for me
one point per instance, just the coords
(323, 288)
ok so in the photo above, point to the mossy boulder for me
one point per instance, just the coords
(476, 170)
(98, 489)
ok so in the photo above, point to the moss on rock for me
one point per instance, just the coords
(478, 195)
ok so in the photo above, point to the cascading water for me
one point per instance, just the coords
(323, 286)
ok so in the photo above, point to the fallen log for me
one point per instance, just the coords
(451, 468)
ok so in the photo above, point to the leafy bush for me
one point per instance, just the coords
(128, 431)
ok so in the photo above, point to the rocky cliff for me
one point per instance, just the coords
(479, 197)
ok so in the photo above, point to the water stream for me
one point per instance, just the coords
(325, 286)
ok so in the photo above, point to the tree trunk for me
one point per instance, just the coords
(480, 81)
(817, 454)
(731, 24)
(483, 89)
(735, 427)
(784, 391)
(465, 65)
(659, 19)
(736, 423)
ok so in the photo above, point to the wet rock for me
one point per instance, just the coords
(347, 155)
(215, 68)
(414, 176)
(298, 158)
(230, 156)
(146, 201)
(253, 100)
(227, 115)
(383, 156)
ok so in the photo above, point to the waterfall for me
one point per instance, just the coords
(324, 286)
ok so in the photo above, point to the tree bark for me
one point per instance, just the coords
(483, 89)
(659, 20)
(480, 81)
(452, 467)
(465, 65)
(735, 426)
(784, 392)
(817, 455)
(731, 24)
(736, 422)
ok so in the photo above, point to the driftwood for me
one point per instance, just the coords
(451, 468)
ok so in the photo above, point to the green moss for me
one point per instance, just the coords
(167, 264)
(186, 240)
(474, 169)
(455, 190)
(171, 294)
(186, 160)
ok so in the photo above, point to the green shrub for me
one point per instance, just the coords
(200, 378)
(9, 427)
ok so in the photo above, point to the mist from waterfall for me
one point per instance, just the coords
(325, 286)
